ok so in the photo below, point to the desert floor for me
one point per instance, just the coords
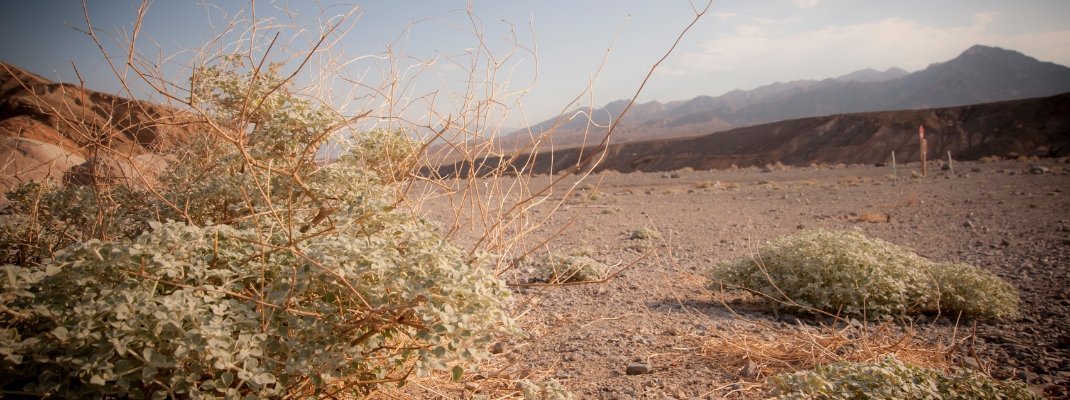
(999, 216)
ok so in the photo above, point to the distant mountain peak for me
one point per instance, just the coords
(871, 75)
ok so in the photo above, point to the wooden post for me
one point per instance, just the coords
(895, 176)
(924, 149)
(950, 165)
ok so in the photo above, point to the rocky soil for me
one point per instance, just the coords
(653, 330)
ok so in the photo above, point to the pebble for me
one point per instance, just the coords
(497, 348)
(749, 371)
(638, 369)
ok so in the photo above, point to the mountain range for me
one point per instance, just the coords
(1031, 127)
(981, 74)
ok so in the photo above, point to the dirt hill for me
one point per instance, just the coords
(47, 128)
(1023, 127)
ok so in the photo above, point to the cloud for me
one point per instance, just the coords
(830, 50)
(723, 16)
(805, 3)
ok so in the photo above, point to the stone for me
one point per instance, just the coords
(471, 386)
(497, 348)
(1025, 376)
(1062, 342)
(1055, 391)
(967, 224)
(749, 371)
(638, 369)
(971, 363)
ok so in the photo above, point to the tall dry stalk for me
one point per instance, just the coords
(299, 58)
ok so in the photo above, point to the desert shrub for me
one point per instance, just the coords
(559, 268)
(644, 233)
(611, 210)
(974, 291)
(596, 196)
(847, 272)
(547, 390)
(273, 276)
(891, 379)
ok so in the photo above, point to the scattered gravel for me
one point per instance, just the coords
(640, 334)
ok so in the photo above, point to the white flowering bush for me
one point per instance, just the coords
(892, 379)
(849, 273)
(560, 268)
(253, 272)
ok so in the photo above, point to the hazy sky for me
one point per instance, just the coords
(737, 45)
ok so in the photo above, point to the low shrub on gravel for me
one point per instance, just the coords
(611, 210)
(891, 379)
(644, 233)
(846, 272)
(560, 268)
(548, 390)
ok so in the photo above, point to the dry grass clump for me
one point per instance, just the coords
(785, 351)
(872, 217)
(610, 210)
(990, 159)
(730, 185)
(596, 196)
(644, 233)
(707, 185)
(847, 272)
(559, 268)
(670, 191)
(773, 185)
(849, 181)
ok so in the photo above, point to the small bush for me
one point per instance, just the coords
(596, 196)
(644, 233)
(582, 251)
(559, 268)
(974, 291)
(587, 186)
(891, 379)
(548, 390)
(847, 272)
(611, 210)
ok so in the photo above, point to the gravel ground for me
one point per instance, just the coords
(1009, 217)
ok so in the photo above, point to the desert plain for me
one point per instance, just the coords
(655, 329)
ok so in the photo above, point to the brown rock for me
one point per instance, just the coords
(79, 124)
(638, 369)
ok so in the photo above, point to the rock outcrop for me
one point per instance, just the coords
(50, 129)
